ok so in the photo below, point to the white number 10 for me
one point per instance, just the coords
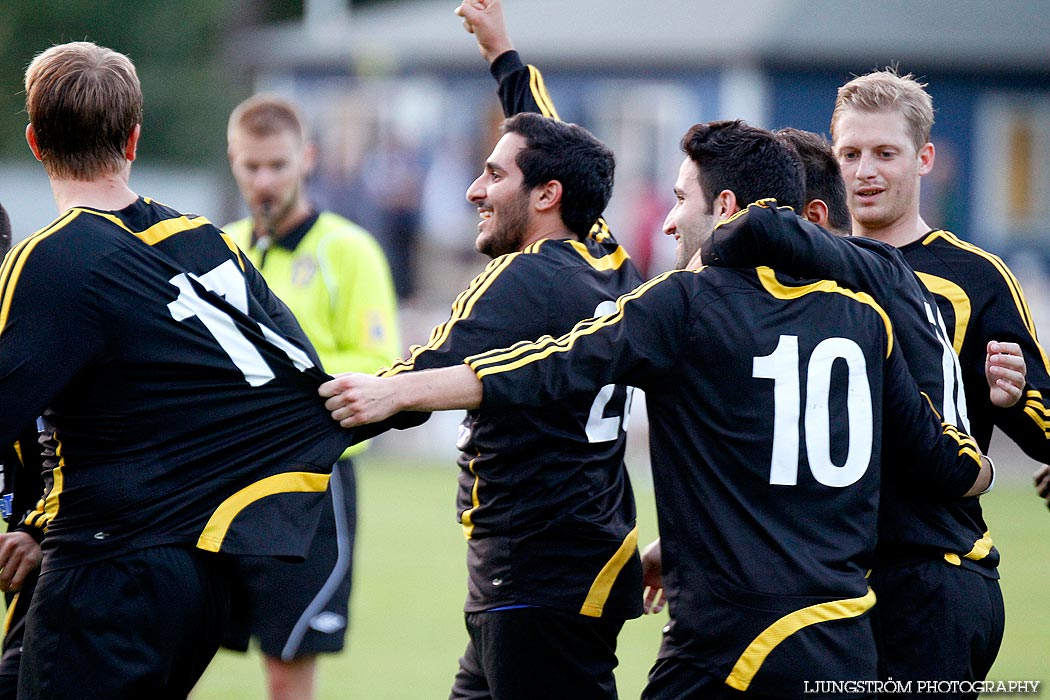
(782, 366)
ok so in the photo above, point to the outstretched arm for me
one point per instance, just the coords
(357, 399)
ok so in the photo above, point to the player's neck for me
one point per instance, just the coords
(546, 229)
(108, 193)
(898, 234)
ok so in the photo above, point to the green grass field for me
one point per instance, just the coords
(407, 628)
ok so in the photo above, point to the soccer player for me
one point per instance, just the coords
(544, 498)
(166, 363)
(768, 400)
(335, 279)
(935, 595)
(545, 501)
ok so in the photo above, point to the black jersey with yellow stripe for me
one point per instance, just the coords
(911, 527)
(768, 399)
(544, 499)
(521, 86)
(182, 392)
(981, 300)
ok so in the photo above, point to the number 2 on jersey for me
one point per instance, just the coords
(600, 427)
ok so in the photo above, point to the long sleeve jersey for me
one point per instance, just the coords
(911, 527)
(544, 498)
(768, 401)
(981, 300)
(334, 278)
(182, 392)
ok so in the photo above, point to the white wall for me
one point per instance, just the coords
(26, 194)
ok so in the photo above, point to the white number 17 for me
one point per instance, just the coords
(226, 281)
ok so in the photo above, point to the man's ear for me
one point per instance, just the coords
(926, 156)
(725, 204)
(547, 196)
(31, 140)
(133, 143)
(309, 158)
(816, 210)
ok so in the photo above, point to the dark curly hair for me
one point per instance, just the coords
(749, 161)
(568, 153)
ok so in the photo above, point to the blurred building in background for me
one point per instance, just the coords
(404, 78)
(405, 109)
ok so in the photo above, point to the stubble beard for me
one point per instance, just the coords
(509, 234)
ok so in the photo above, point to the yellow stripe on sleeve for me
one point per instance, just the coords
(540, 94)
(526, 352)
(461, 308)
(15, 261)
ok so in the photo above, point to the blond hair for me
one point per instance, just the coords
(265, 115)
(84, 101)
(887, 91)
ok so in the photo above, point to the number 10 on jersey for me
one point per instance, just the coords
(784, 368)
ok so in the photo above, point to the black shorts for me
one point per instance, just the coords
(679, 677)
(141, 625)
(935, 621)
(297, 609)
(14, 631)
(532, 652)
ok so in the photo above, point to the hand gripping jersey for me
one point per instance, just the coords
(182, 392)
(544, 498)
(768, 401)
(911, 527)
(981, 300)
(334, 278)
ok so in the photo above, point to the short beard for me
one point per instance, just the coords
(510, 234)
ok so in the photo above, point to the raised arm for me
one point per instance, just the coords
(521, 87)
(484, 19)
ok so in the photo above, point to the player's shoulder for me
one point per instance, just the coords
(566, 256)
(943, 253)
(950, 248)
(75, 239)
